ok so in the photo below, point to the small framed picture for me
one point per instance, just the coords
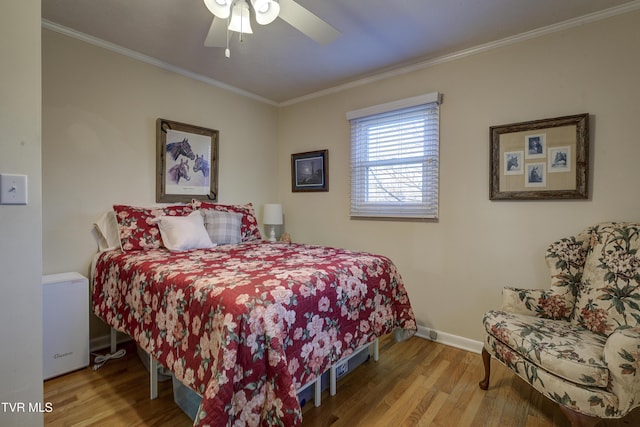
(536, 175)
(535, 146)
(513, 162)
(310, 171)
(560, 159)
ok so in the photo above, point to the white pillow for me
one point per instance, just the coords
(107, 232)
(223, 227)
(181, 233)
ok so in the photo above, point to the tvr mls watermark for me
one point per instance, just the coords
(26, 407)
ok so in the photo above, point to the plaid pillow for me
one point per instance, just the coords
(249, 229)
(222, 227)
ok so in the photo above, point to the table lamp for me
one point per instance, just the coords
(272, 217)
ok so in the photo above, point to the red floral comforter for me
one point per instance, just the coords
(246, 325)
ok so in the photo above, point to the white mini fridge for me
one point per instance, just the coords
(65, 323)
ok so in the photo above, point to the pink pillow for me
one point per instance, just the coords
(138, 227)
(249, 229)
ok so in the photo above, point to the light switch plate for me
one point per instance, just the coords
(13, 189)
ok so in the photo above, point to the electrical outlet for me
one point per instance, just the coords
(13, 189)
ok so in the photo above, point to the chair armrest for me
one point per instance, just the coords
(521, 301)
(565, 259)
(622, 356)
(550, 303)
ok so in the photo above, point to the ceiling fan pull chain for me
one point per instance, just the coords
(242, 20)
(227, 52)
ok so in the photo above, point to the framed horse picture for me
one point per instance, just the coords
(540, 159)
(186, 162)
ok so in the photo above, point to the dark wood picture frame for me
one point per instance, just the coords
(310, 171)
(186, 162)
(540, 159)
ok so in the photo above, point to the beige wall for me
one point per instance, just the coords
(99, 110)
(21, 226)
(99, 142)
(454, 269)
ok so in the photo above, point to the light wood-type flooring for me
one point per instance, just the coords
(415, 383)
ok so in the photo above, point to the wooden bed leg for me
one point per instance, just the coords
(577, 419)
(153, 377)
(486, 359)
(112, 340)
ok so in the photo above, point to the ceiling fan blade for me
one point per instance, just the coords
(307, 23)
(217, 36)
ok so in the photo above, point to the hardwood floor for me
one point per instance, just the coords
(415, 383)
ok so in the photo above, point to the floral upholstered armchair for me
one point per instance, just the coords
(577, 343)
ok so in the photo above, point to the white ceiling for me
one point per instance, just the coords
(280, 64)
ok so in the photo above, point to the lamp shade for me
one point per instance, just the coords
(272, 214)
(220, 8)
(266, 10)
(240, 18)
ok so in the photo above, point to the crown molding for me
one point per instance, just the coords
(149, 60)
(550, 29)
(539, 32)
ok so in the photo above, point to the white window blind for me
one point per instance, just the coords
(394, 159)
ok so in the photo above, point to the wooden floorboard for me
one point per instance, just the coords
(415, 383)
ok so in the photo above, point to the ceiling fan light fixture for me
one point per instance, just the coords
(240, 21)
(220, 8)
(266, 10)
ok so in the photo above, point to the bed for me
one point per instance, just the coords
(245, 324)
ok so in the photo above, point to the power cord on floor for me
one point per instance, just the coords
(102, 359)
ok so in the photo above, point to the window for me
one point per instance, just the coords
(394, 159)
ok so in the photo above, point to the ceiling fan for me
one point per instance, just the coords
(233, 15)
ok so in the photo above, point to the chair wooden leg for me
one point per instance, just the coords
(486, 359)
(577, 419)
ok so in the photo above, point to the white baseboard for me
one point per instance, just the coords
(449, 339)
(100, 343)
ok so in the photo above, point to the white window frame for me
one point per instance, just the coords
(424, 205)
